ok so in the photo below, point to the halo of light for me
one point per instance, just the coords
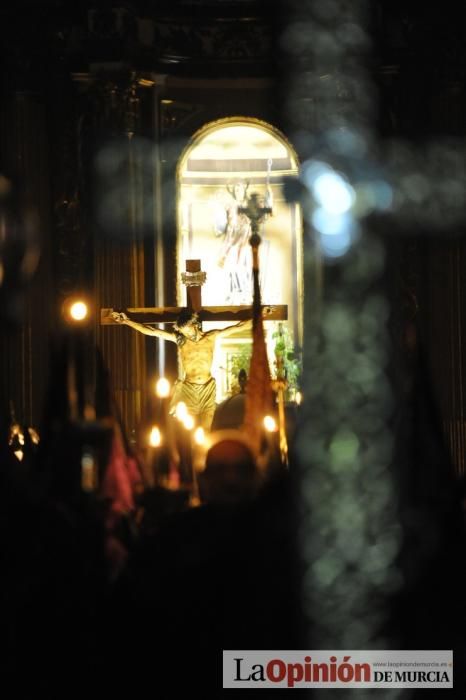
(188, 422)
(78, 310)
(162, 387)
(335, 246)
(333, 192)
(270, 424)
(199, 436)
(311, 170)
(155, 436)
(181, 410)
(331, 224)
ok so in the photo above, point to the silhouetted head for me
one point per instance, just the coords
(230, 474)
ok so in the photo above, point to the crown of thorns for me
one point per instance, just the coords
(187, 316)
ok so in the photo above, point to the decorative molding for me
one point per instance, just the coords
(236, 41)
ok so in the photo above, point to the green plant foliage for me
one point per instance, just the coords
(287, 361)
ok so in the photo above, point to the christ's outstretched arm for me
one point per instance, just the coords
(222, 332)
(147, 330)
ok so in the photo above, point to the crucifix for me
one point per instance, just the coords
(193, 278)
(197, 388)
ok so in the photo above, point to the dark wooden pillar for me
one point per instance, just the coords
(121, 249)
(25, 346)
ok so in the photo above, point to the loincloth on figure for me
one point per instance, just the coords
(199, 398)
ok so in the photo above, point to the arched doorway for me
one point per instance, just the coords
(225, 161)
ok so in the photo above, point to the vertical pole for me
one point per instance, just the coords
(159, 255)
(193, 291)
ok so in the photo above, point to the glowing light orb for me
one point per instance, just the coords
(199, 436)
(188, 422)
(162, 388)
(155, 437)
(270, 424)
(78, 311)
(181, 410)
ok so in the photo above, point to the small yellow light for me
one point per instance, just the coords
(270, 424)
(155, 437)
(188, 422)
(16, 432)
(181, 410)
(19, 454)
(162, 388)
(34, 435)
(298, 398)
(199, 436)
(78, 311)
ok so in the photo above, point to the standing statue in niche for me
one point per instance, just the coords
(235, 253)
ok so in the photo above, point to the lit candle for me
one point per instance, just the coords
(199, 436)
(188, 422)
(181, 410)
(199, 441)
(270, 428)
(169, 458)
(155, 437)
(270, 424)
(162, 391)
(173, 476)
(155, 441)
(162, 388)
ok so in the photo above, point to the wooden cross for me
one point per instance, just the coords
(193, 278)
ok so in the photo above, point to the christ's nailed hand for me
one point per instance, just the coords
(119, 317)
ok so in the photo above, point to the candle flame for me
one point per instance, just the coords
(199, 436)
(155, 437)
(270, 424)
(162, 388)
(181, 411)
(78, 311)
(188, 422)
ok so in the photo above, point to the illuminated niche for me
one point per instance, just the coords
(224, 161)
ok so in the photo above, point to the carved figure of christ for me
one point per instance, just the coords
(195, 347)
